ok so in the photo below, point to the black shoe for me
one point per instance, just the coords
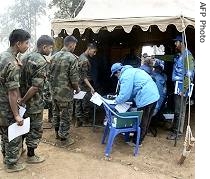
(152, 132)
(173, 136)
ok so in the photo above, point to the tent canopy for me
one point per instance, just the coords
(97, 14)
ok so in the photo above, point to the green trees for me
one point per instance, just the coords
(67, 8)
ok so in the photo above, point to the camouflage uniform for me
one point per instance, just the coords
(63, 72)
(82, 107)
(9, 79)
(33, 73)
(47, 95)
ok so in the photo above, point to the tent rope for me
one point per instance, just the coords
(189, 139)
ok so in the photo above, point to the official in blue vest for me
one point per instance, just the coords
(181, 73)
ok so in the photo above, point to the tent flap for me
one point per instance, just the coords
(126, 23)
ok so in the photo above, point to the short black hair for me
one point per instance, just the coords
(70, 39)
(92, 46)
(44, 40)
(18, 35)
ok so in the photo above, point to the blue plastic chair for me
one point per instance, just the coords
(121, 123)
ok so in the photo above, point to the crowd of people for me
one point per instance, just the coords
(24, 82)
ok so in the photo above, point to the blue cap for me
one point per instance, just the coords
(116, 67)
(178, 38)
(159, 63)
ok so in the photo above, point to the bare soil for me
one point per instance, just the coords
(85, 158)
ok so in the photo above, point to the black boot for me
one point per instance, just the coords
(30, 152)
(32, 158)
(56, 133)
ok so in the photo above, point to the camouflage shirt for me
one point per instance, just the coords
(9, 79)
(84, 69)
(63, 72)
(33, 73)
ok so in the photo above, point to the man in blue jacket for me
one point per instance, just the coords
(181, 73)
(137, 85)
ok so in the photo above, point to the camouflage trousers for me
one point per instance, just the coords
(33, 137)
(10, 150)
(83, 108)
(62, 115)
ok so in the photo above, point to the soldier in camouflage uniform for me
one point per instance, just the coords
(82, 107)
(9, 94)
(64, 79)
(33, 74)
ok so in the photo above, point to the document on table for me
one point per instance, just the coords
(22, 111)
(80, 95)
(121, 108)
(14, 130)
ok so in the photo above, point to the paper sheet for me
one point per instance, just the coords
(22, 111)
(14, 130)
(121, 108)
(80, 95)
(96, 99)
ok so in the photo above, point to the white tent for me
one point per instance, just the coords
(121, 26)
(97, 14)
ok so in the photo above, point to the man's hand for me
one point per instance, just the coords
(92, 90)
(21, 102)
(77, 91)
(19, 120)
(180, 93)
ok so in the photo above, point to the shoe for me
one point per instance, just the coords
(65, 142)
(131, 144)
(15, 167)
(35, 159)
(78, 124)
(172, 136)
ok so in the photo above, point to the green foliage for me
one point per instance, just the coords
(67, 8)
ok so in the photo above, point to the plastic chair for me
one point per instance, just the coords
(121, 123)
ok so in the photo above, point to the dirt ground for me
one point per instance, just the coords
(84, 159)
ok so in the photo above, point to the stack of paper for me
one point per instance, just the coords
(14, 130)
(121, 108)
